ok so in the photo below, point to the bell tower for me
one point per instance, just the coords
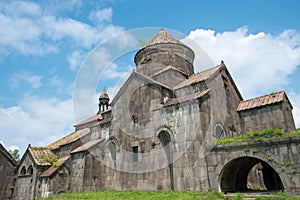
(103, 101)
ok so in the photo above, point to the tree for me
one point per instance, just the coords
(15, 154)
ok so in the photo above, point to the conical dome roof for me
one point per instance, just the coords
(162, 37)
(161, 51)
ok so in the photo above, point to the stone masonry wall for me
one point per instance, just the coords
(7, 177)
(272, 116)
(279, 154)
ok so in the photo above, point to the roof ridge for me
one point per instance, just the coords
(59, 142)
(260, 101)
(168, 68)
(86, 146)
(203, 74)
(257, 97)
(7, 154)
(187, 97)
(154, 81)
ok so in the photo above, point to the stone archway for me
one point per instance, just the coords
(165, 140)
(234, 175)
(113, 151)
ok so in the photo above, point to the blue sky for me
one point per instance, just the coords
(43, 44)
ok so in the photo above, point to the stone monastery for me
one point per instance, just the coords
(158, 133)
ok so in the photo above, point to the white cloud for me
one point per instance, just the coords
(83, 34)
(259, 62)
(60, 85)
(75, 60)
(296, 115)
(21, 8)
(101, 16)
(34, 81)
(295, 100)
(36, 120)
(30, 29)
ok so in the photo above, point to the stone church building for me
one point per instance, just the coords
(155, 133)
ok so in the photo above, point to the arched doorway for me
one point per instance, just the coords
(234, 176)
(165, 140)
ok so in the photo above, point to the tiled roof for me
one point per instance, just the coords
(199, 77)
(42, 156)
(87, 146)
(169, 68)
(53, 169)
(69, 138)
(97, 117)
(268, 99)
(7, 155)
(185, 98)
(162, 37)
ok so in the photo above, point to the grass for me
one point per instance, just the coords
(135, 195)
(165, 194)
(263, 135)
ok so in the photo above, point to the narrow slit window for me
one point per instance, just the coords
(135, 153)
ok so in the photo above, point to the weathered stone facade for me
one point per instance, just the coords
(158, 132)
(228, 165)
(7, 167)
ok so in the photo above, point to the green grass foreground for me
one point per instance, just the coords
(263, 135)
(149, 195)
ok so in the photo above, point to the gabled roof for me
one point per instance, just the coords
(185, 98)
(49, 172)
(41, 156)
(145, 78)
(87, 146)
(199, 77)
(7, 155)
(69, 138)
(268, 99)
(162, 37)
(169, 68)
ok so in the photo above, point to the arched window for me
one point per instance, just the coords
(30, 170)
(23, 171)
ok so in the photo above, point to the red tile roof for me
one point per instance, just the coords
(199, 77)
(185, 98)
(42, 156)
(69, 138)
(87, 145)
(53, 169)
(268, 99)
